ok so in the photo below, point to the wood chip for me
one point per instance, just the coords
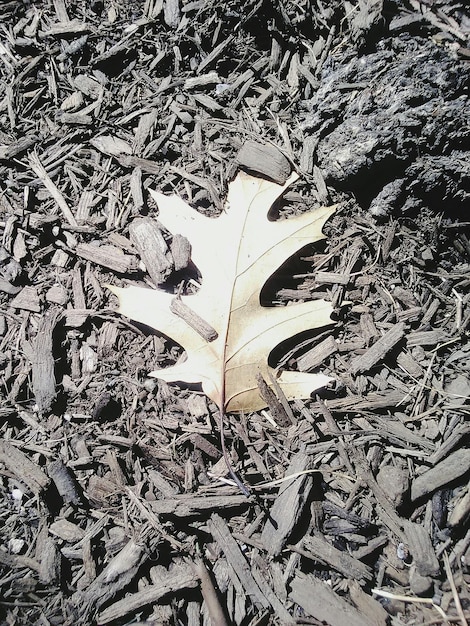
(107, 256)
(288, 505)
(379, 349)
(320, 602)
(119, 572)
(27, 299)
(146, 235)
(266, 160)
(176, 579)
(237, 562)
(64, 481)
(316, 548)
(453, 467)
(23, 468)
(314, 357)
(188, 506)
(182, 310)
(40, 353)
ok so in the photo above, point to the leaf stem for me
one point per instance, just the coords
(237, 481)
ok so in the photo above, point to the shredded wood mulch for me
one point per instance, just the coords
(116, 503)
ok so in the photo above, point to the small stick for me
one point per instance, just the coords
(455, 594)
(182, 310)
(216, 613)
(41, 173)
(238, 482)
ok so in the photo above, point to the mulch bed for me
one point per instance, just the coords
(116, 503)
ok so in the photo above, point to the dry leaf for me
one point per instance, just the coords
(236, 253)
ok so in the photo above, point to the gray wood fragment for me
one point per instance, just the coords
(178, 578)
(64, 481)
(107, 256)
(454, 466)
(214, 608)
(116, 576)
(332, 278)
(50, 566)
(23, 468)
(319, 601)
(266, 160)
(395, 483)
(147, 237)
(171, 13)
(318, 354)
(426, 337)
(182, 310)
(187, 506)
(288, 505)
(136, 188)
(236, 560)
(316, 548)
(460, 512)
(408, 363)
(27, 299)
(367, 605)
(421, 548)
(278, 606)
(18, 561)
(68, 531)
(379, 349)
(276, 409)
(166, 488)
(180, 249)
(8, 151)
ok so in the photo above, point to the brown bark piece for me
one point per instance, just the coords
(67, 531)
(187, 506)
(379, 349)
(23, 468)
(180, 251)
(182, 577)
(316, 548)
(421, 548)
(41, 355)
(50, 566)
(288, 505)
(27, 299)
(116, 576)
(454, 466)
(266, 160)
(319, 601)
(318, 354)
(64, 481)
(205, 330)
(237, 562)
(367, 605)
(107, 256)
(146, 235)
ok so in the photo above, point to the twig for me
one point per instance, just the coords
(41, 173)
(237, 481)
(455, 594)
(216, 613)
(414, 599)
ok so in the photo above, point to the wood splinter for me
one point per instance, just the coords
(182, 310)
